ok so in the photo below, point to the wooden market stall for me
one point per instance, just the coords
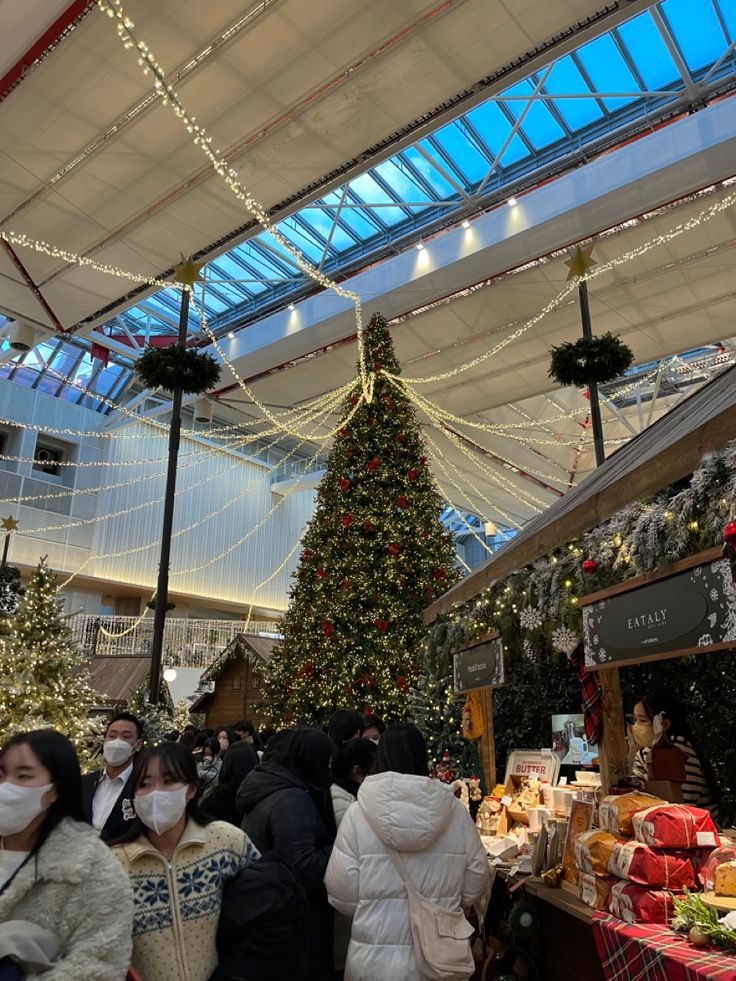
(668, 451)
(231, 688)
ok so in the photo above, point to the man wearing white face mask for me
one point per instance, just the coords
(106, 794)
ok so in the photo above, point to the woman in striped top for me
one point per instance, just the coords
(660, 719)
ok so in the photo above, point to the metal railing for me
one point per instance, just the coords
(187, 643)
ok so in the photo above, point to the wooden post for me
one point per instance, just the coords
(613, 751)
(487, 742)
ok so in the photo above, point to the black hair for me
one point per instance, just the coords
(247, 726)
(127, 717)
(212, 744)
(266, 735)
(231, 737)
(343, 726)
(238, 761)
(356, 752)
(402, 749)
(190, 727)
(200, 739)
(373, 722)
(276, 752)
(172, 758)
(187, 739)
(172, 736)
(57, 754)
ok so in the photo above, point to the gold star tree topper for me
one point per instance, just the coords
(187, 272)
(9, 524)
(580, 261)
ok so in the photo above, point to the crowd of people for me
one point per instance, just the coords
(227, 854)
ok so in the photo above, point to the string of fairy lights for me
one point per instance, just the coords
(293, 421)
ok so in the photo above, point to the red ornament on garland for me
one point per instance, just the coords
(590, 566)
(328, 628)
(402, 502)
(373, 464)
(729, 534)
(344, 483)
(394, 548)
(347, 519)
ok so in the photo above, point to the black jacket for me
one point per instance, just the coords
(122, 812)
(263, 925)
(282, 818)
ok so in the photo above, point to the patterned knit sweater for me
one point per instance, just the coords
(177, 902)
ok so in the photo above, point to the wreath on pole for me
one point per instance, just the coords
(590, 359)
(178, 366)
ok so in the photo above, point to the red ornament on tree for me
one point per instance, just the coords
(373, 464)
(590, 566)
(381, 624)
(347, 519)
(729, 534)
(402, 684)
(394, 548)
(328, 628)
(321, 572)
(439, 574)
(368, 527)
(372, 421)
(308, 669)
(429, 590)
(412, 474)
(345, 584)
(400, 437)
(307, 553)
(377, 366)
(344, 484)
(353, 400)
(343, 431)
(402, 502)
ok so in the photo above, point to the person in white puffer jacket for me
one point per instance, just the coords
(423, 820)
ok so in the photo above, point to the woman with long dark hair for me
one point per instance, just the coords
(179, 863)
(218, 802)
(288, 812)
(56, 874)
(400, 809)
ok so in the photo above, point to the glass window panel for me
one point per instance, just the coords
(402, 184)
(65, 360)
(370, 192)
(440, 186)
(696, 29)
(493, 127)
(607, 70)
(463, 153)
(48, 384)
(566, 79)
(355, 218)
(298, 237)
(261, 260)
(727, 10)
(322, 222)
(539, 125)
(648, 52)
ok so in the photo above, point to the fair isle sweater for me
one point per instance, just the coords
(177, 902)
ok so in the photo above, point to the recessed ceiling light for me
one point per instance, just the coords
(231, 335)
(512, 202)
(292, 307)
(466, 223)
(419, 246)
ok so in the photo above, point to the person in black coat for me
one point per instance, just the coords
(218, 801)
(107, 794)
(288, 813)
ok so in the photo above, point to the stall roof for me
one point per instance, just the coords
(116, 678)
(665, 452)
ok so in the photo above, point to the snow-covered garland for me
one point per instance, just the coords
(536, 608)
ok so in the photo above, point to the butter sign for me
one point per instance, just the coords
(479, 666)
(681, 612)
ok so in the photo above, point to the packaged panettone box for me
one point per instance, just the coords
(593, 851)
(616, 812)
(724, 879)
(595, 889)
(635, 903)
(675, 826)
(652, 866)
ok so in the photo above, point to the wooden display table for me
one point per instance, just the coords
(567, 950)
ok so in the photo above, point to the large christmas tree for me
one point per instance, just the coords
(43, 680)
(374, 555)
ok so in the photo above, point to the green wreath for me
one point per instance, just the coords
(169, 367)
(590, 359)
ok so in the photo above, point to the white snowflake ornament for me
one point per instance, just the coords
(564, 640)
(530, 618)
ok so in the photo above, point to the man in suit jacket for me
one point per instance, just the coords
(107, 793)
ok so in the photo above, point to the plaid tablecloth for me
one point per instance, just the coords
(644, 952)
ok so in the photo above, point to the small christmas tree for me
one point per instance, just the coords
(374, 555)
(157, 720)
(43, 679)
(11, 590)
(438, 713)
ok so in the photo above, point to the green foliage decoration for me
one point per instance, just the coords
(590, 359)
(176, 365)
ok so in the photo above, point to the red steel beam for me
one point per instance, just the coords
(44, 45)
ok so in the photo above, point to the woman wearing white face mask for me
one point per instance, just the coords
(178, 864)
(55, 874)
